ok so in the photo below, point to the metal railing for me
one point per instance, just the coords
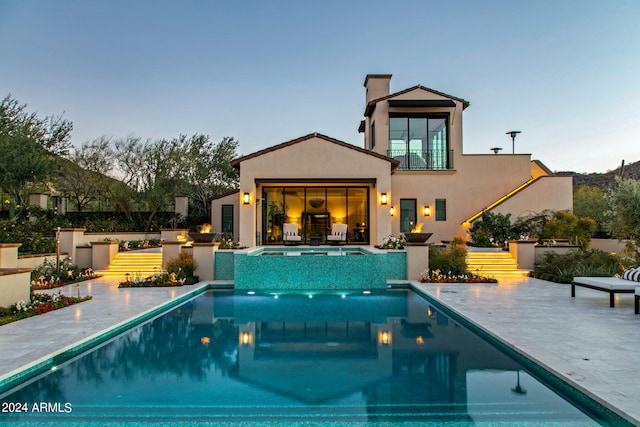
(423, 159)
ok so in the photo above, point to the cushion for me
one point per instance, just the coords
(632, 274)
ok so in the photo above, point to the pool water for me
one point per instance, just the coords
(301, 358)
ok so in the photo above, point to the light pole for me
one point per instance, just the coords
(513, 134)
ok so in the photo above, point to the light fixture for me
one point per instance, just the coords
(513, 134)
(384, 337)
(426, 211)
(384, 199)
(245, 198)
(392, 211)
(205, 340)
(245, 338)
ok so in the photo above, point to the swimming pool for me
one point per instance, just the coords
(300, 357)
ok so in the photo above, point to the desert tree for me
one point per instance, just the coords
(30, 147)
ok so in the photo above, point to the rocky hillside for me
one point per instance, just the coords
(605, 180)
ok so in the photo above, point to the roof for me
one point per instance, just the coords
(236, 163)
(228, 193)
(372, 104)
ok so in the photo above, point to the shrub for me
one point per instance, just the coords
(566, 225)
(46, 276)
(492, 230)
(451, 261)
(184, 267)
(563, 268)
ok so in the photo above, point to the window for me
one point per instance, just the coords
(441, 209)
(227, 219)
(408, 213)
(419, 142)
(314, 209)
(373, 135)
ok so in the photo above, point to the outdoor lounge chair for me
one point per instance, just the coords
(611, 285)
(338, 233)
(290, 234)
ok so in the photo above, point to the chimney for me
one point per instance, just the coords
(377, 86)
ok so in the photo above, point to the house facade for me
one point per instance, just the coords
(410, 172)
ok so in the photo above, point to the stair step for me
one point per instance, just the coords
(142, 264)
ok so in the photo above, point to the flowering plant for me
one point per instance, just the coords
(158, 280)
(392, 242)
(437, 276)
(46, 276)
(228, 244)
(39, 304)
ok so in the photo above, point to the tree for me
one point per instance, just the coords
(151, 169)
(84, 176)
(207, 170)
(589, 202)
(621, 218)
(29, 146)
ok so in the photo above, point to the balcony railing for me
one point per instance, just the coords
(423, 160)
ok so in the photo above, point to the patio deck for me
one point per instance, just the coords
(581, 339)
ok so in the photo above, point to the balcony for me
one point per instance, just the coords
(423, 160)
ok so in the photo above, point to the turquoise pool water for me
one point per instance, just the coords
(309, 358)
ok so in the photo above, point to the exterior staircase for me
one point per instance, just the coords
(493, 264)
(136, 263)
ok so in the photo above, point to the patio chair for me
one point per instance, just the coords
(290, 234)
(338, 233)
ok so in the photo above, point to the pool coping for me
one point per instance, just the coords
(558, 379)
(38, 367)
(32, 369)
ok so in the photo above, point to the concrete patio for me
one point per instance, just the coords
(583, 340)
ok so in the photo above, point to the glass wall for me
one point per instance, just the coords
(408, 213)
(419, 142)
(314, 209)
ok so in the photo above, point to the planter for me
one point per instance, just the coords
(202, 237)
(417, 237)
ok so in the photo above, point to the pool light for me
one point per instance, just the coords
(251, 293)
(366, 292)
(245, 338)
(384, 337)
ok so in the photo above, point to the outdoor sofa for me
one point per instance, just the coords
(627, 284)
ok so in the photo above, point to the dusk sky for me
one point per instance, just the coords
(565, 73)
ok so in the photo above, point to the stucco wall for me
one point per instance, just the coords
(216, 213)
(320, 159)
(549, 192)
(477, 181)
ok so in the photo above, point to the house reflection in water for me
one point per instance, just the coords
(392, 348)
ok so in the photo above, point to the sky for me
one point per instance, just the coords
(566, 73)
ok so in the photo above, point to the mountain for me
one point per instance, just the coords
(606, 180)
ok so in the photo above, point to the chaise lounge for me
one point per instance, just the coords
(611, 285)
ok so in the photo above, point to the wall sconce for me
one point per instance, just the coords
(245, 338)
(384, 199)
(384, 337)
(392, 211)
(245, 198)
(426, 211)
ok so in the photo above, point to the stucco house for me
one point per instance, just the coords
(411, 170)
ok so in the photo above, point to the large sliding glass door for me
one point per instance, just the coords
(314, 209)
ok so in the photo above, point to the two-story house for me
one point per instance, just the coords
(411, 171)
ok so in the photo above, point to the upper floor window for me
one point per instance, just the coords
(420, 142)
(373, 135)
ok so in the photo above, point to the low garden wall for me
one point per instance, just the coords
(15, 285)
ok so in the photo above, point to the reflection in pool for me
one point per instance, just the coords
(387, 356)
